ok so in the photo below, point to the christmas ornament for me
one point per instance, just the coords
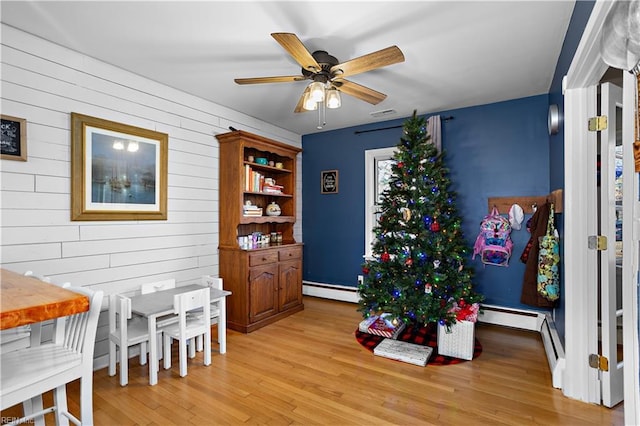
(385, 257)
(435, 226)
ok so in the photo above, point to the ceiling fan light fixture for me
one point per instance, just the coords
(316, 91)
(333, 98)
(308, 103)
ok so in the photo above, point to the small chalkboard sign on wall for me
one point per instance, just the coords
(13, 140)
(329, 182)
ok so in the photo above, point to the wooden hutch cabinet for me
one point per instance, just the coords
(265, 278)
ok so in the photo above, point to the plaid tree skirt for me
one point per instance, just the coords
(427, 336)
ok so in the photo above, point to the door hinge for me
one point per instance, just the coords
(599, 362)
(597, 242)
(598, 123)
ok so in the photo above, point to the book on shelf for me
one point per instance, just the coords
(253, 180)
(272, 189)
(411, 353)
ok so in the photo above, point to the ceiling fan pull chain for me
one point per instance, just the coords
(322, 119)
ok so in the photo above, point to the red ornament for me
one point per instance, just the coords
(408, 262)
(435, 226)
(400, 164)
(385, 257)
(365, 270)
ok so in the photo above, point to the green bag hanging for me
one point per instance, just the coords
(549, 262)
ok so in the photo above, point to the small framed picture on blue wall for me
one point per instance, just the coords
(329, 182)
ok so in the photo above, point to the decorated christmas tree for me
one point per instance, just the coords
(418, 273)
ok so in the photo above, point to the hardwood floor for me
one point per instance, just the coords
(308, 369)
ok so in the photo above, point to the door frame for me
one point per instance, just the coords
(580, 91)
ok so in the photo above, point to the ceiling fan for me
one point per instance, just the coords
(328, 74)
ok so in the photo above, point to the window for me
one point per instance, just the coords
(377, 166)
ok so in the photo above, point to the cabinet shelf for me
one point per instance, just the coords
(263, 167)
(267, 219)
(268, 194)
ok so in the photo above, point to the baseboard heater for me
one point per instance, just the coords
(490, 314)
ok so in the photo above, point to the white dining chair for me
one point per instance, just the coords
(189, 327)
(32, 371)
(23, 337)
(216, 309)
(125, 331)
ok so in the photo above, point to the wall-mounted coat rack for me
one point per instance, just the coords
(504, 203)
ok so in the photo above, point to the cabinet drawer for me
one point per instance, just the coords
(290, 253)
(263, 258)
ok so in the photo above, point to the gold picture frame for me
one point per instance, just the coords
(13, 144)
(118, 171)
(329, 182)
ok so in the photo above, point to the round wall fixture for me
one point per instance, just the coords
(553, 121)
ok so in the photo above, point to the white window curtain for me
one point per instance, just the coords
(433, 128)
(620, 43)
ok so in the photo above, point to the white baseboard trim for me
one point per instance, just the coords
(330, 291)
(555, 351)
(490, 314)
(509, 317)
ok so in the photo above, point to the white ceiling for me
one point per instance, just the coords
(457, 54)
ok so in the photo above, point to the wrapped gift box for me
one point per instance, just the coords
(380, 325)
(404, 351)
(457, 340)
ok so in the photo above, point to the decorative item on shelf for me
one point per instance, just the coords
(270, 186)
(279, 238)
(250, 158)
(261, 160)
(273, 209)
(279, 165)
(249, 209)
(272, 163)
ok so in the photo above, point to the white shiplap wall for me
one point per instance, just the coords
(43, 83)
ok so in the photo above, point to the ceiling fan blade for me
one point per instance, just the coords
(292, 44)
(276, 79)
(361, 92)
(299, 106)
(381, 58)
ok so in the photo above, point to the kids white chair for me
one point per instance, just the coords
(157, 286)
(29, 372)
(217, 306)
(189, 327)
(124, 332)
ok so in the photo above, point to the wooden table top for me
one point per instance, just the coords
(27, 300)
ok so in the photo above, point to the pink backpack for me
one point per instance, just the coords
(493, 243)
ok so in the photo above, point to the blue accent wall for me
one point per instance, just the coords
(500, 149)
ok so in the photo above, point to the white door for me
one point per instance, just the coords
(611, 176)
